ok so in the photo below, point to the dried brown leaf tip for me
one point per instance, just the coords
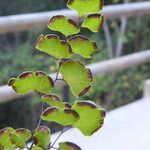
(79, 37)
(72, 22)
(101, 22)
(50, 110)
(95, 46)
(101, 4)
(1, 147)
(11, 81)
(103, 113)
(65, 61)
(35, 140)
(72, 145)
(52, 36)
(58, 17)
(25, 75)
(40, 73)
(70, 2)
(49, 96)
(87, 104)
(20, 130)
(53, 19)
(101, 123)
(89, 73)
(67, 105)
(71, 112)
(2, 131)
(65, 43)
(40, 38)
(94, 16)
(43, 129)
(50, 81)
(84, 91)
(81, 64)
(95, 130)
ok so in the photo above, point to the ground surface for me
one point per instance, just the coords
(125, 128)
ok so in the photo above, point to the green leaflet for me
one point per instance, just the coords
(82, 46)
(52, 45)
(41, 137)
(20, 136)
(77, 76)
(93, 22)
(24, 133)
(85, 6)
(54, 100)
(5, 140)
(91, 117)
(10, 138)
(64, 25)
(29, 81)
(17, 140)
(61, 116)
(68, 146)
(85, 115)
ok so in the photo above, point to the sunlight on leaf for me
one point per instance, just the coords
(29, 81)
(5, 140)
(52, 45)
(85, 6)
(68, 146)
(54, 100)
(93, 22)
(82, 46)
(77, 76)
(61, 116)
(20, 136)
(24, 133)
(42, 137)
(64, 25)
(91, 117)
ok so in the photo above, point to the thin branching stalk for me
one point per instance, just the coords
(62, 131)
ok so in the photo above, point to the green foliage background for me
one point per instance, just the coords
(17, 54)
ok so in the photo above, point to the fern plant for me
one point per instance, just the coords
(83, 115)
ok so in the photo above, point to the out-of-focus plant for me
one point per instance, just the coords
(83, 115)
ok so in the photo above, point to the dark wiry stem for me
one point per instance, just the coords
(62, 131)
(58, 70)
(39, 123)
(27, 146)
(31, 145)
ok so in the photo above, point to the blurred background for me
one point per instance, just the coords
(121, 36)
